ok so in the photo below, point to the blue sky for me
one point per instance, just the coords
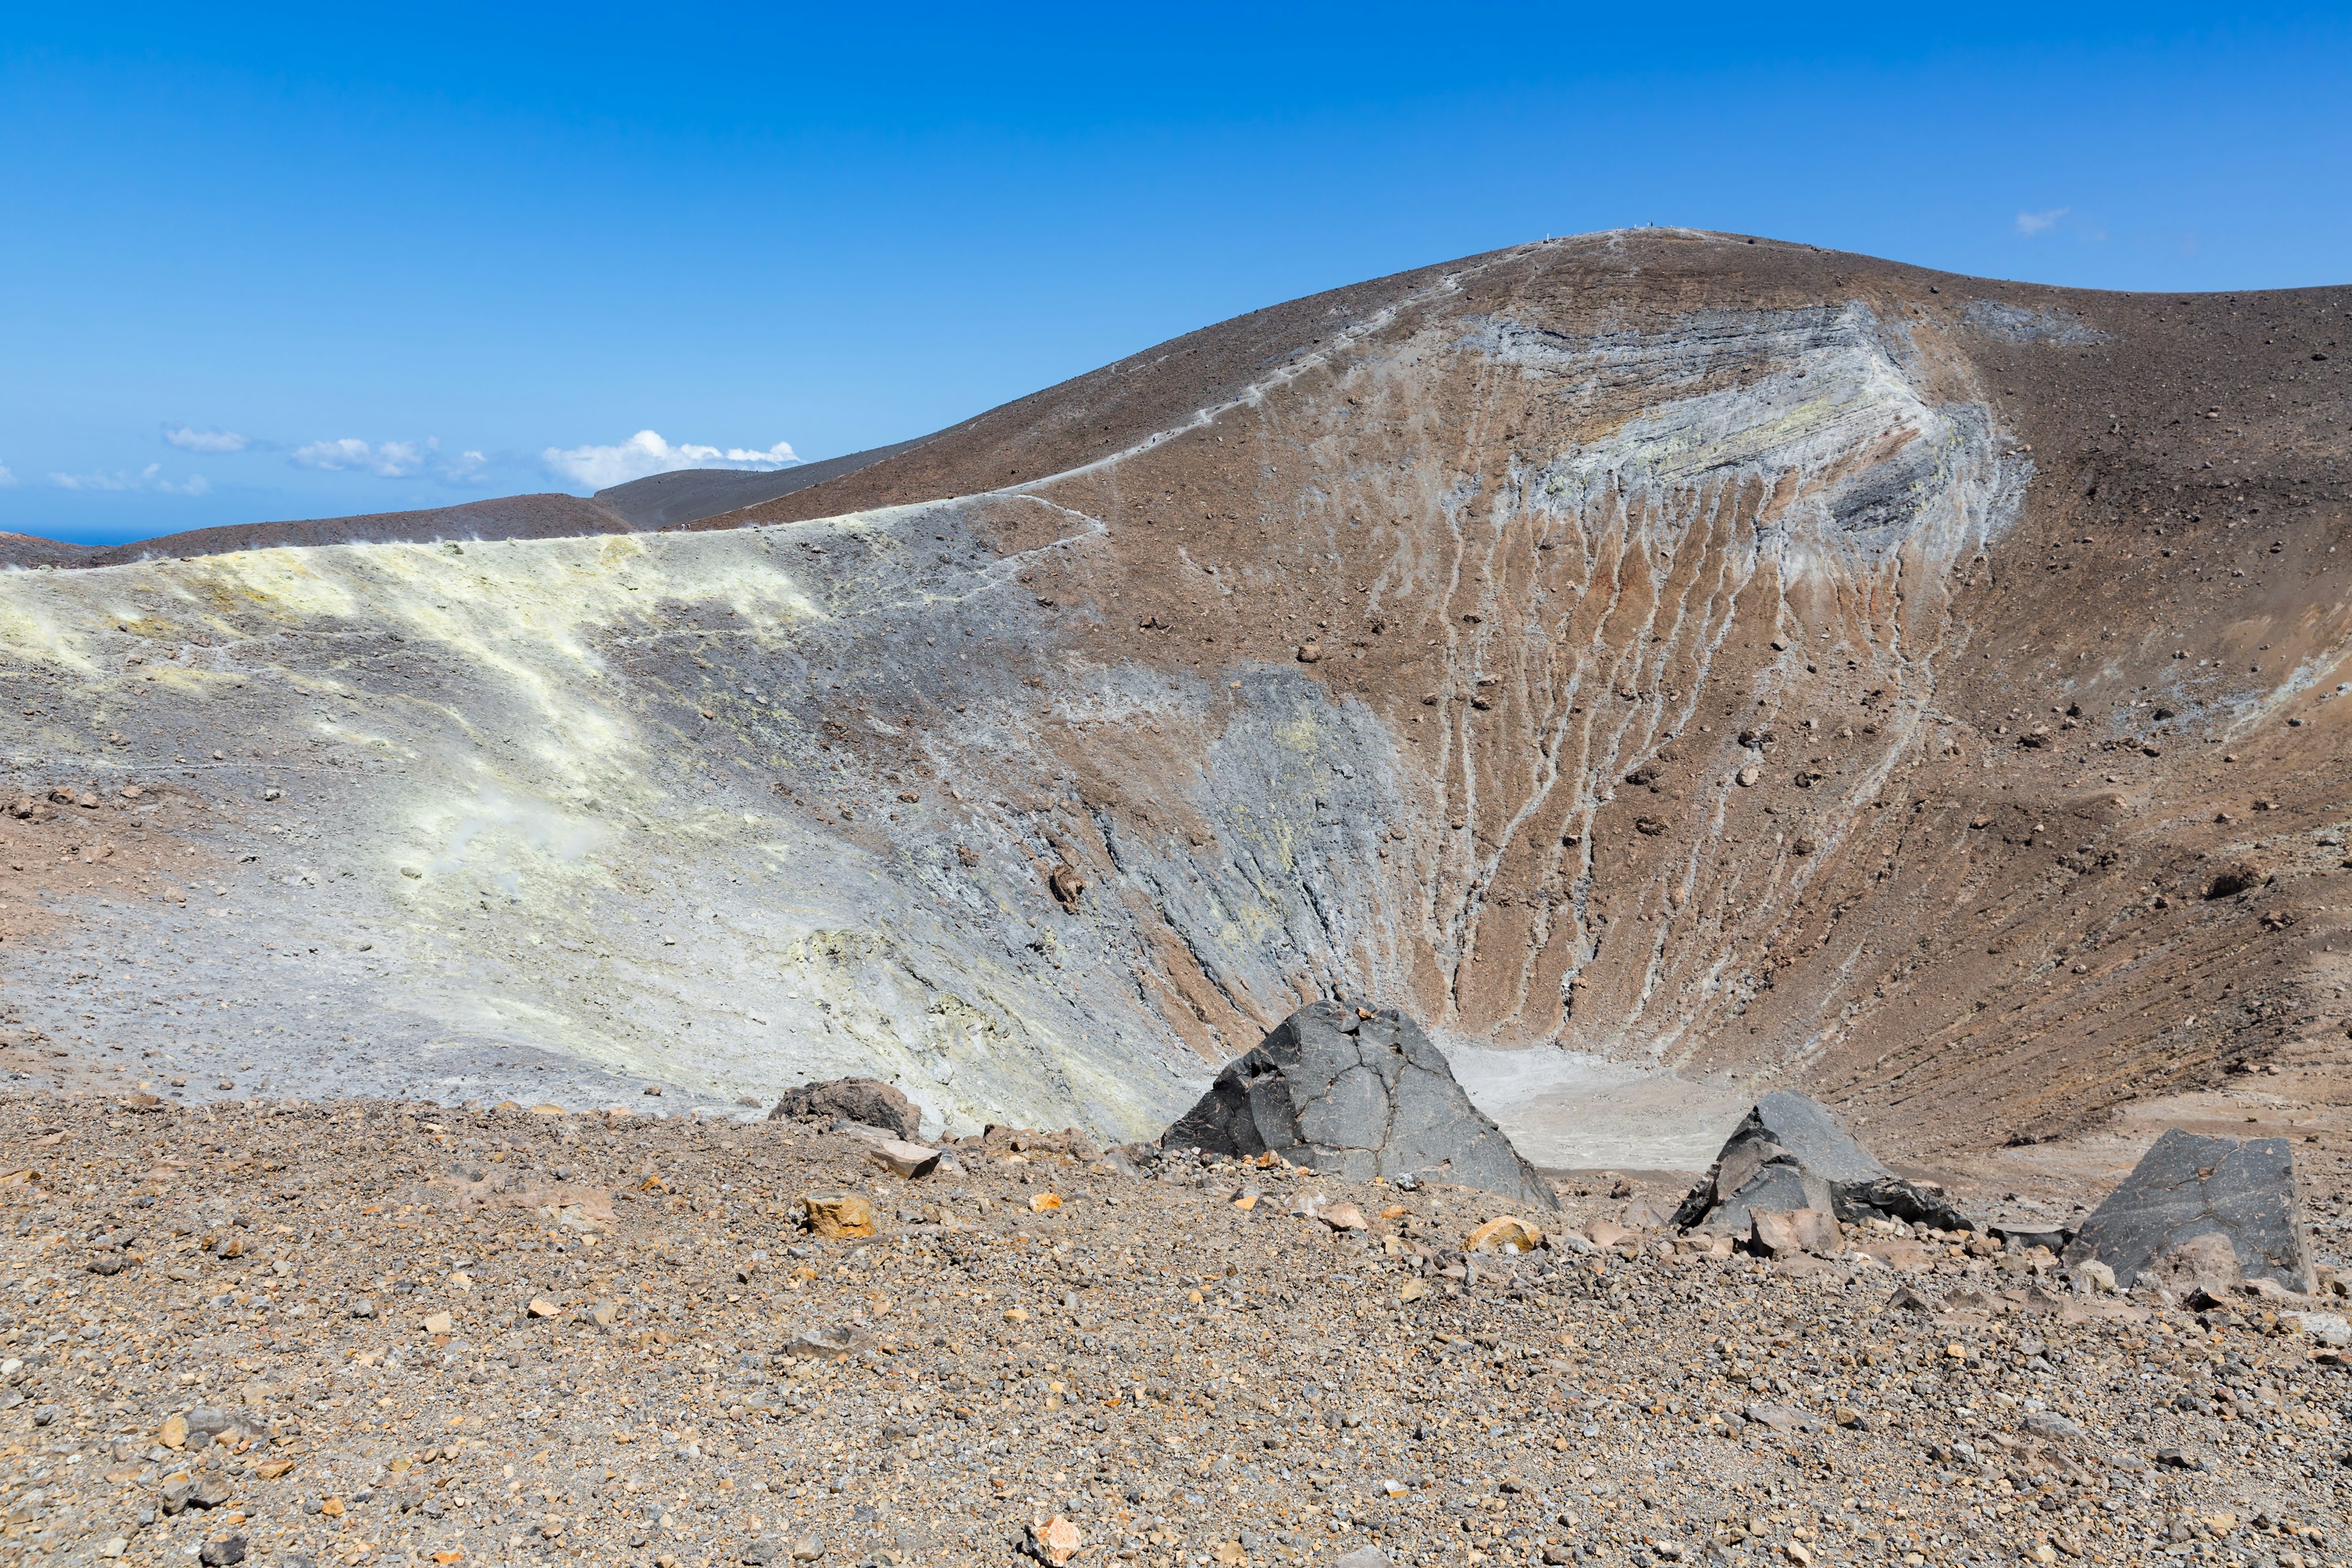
(268, 262)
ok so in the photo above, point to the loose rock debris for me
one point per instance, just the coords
(316, 1352)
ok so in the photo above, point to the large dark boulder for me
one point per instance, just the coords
(865, 1099)
(1359, 1097)
(2189, 1186)
(1791, 1152)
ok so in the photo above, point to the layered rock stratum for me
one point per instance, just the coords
(1709, 653)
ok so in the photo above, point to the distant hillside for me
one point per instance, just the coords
(662, 501)
(545, 516)
(690, 495)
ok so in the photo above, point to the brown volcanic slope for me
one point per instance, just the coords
(1694, 650)
(2060, 643)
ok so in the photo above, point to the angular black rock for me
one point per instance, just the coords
(864, 1099)
(1359, 1097)
(2188, 1185)
(1791, 1153)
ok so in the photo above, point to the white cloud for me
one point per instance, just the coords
(388, 459)
(600, 468)
(6, 478)
(465, 468)
(393, 459)
(190, 439)
(150, 478)
(2031, 223)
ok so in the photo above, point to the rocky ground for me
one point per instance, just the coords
(396, 1333)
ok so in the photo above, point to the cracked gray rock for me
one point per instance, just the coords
(2188, 1186)
(1359, 1097)
(1791, 1152)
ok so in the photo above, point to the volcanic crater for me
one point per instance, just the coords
(1653, 650)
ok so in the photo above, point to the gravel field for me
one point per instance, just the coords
(396, 1333)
